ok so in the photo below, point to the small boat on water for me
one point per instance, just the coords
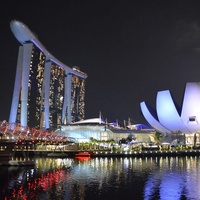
(83, 154)
(18, 163)
(83, 159)
(13, 161)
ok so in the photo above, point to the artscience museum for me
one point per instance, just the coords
(169, 118)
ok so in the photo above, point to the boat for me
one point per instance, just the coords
(83, 154)
(57, 154)
(82, 159)
(12, 161)
(18, 163)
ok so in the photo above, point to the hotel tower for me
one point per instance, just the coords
(47, 93)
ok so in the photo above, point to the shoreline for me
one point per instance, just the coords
(99, 153)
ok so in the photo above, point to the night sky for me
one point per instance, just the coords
(129, 49)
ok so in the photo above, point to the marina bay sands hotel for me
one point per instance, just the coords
(46, 91)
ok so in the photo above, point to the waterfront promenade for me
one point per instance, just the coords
(132, 153)
(108, 153)
(41, 143)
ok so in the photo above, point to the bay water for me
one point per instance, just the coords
(123, 178)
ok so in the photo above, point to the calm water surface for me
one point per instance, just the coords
(163, 178)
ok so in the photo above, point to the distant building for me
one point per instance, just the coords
(96, 128)
(46, 91)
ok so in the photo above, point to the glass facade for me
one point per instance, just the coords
(56, 95)
(77, 98)
(35, 96)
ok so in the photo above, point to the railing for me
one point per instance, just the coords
(17, 132)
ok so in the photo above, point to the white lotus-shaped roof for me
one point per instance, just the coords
(167, 118)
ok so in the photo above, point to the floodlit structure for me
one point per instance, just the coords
(46, 91)
(98, 129)
(169, 118)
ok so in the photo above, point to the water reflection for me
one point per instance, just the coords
(103, 178)
(177, 178)
(38, 181)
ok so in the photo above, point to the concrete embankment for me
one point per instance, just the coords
(144, 153)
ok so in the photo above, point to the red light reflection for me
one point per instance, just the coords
(43, 183)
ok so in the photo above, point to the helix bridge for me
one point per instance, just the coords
(14, 134)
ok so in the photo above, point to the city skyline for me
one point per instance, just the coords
(130, 51)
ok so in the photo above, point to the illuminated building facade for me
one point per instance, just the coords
(46, 93)
(98, 129)
(171, 118)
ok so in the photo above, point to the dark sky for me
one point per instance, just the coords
(129, 49)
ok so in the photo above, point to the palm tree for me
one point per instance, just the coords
(158, 136)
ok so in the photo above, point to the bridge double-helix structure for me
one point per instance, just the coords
(18, 134)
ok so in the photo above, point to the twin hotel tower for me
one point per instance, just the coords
(46, 91)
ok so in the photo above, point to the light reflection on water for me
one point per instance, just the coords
(104, 178)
